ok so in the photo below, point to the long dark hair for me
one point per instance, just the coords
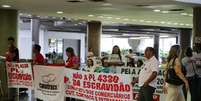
(189, 52)
(119, 51)
(70, 50)
(174, 52)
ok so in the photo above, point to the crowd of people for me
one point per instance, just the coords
(179, 73)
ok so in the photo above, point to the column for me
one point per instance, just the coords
(94, 31)
(8, 27)
(35, 29)
(156, 45)
(185, 39)
(197, 28)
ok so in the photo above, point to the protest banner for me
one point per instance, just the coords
(19, 75)
(49, 81)
(97, 86)
(134, 72)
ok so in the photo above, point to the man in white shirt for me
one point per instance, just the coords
(147, 77)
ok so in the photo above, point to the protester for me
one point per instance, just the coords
(147, 77)
(12, 54)
(90, 66)
(192, 74)
(72, 61)
(174, 77)
(105, 68)
(90, 53)
(115, 59)
(38, 58)
(130, 58)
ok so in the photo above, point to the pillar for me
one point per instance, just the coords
(185, 39)
(8, 27)
(156, 45)
(196, 28)
(94, 30)
(35, 29)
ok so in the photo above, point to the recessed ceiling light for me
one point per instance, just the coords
(109, 17)
(175, 23)
(125, 19)
(107, 4)
(141, 20)
(90, 15)
(5, 6)
(148, 21)
(181, 24)
(80, 23)
(75, 24)
(190, 14)
(100, 17)
(169, 23)
(156, 10)
(117, 18)
(20, 14)
(60, 12)
(187, 24)
(156, 22)
(165, 11)
(184, 14)
(162, 22)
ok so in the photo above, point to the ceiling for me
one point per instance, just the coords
(111, 12)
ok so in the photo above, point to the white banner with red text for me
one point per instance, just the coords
(19, 75)
(49, 83)
(98, 86)
(134, 72)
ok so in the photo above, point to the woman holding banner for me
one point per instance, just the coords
(115, 59)
(72, 62)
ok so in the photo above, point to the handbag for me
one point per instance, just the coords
(172, 77)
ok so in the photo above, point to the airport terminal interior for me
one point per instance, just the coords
(92, 28)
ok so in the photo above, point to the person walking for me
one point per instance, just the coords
(191, 74)
(173, 76)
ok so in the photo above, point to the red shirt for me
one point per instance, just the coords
(38, 59)
(72, 60)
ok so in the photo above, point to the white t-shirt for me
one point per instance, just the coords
(188, 66)
(150, 66)
(197, 58)
(114, 58)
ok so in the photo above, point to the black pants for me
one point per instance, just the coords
(194, 88)
(146, 93)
